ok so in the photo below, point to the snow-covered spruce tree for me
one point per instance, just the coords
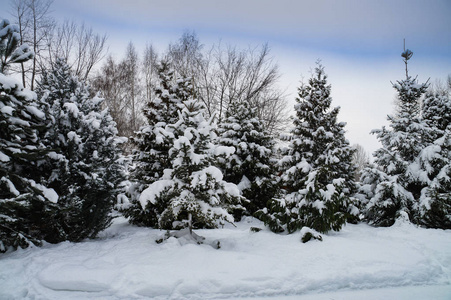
(194, 192)
(24, 202)
(434, 162)
(317, 173)
(394, 185)
(252, 165)
(152, 154)
(86, 164)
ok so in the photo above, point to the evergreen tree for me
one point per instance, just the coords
(86, 164)
(434, 162)
(252, 165)
(317, 173)
(24, 202)
(192, 190)
(398, 186)
(152, 154)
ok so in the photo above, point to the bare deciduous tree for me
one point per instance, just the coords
(119, 84)
(78, 45)
(131, 69)
(442, 87)
(110, 83)
(221, 76)
(360, 159)
(186, 55)
(35, 24)
(149, 69)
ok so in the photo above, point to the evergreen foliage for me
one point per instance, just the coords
(192, 190)
(11, 51)
(61, 165)
(152, 147)
(435, 162)
(24, 203)
(317, 173)
(252, 165)
(86, 162)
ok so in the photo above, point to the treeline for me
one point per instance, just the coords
(203, 147)
(219, 76)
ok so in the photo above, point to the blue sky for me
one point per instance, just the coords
(354, 27)
(358, 41)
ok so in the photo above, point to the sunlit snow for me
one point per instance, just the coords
(399, 262)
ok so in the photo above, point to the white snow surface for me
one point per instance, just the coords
(72, 108)
(200, 177)
(153, 190)
(8, 82)
(224, 150)
(10, 186)
(4, 157)
(7, 110)
(35, 111)
(359, 262)
(49, 194)
(244, 184)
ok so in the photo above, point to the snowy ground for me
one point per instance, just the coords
(359, 262)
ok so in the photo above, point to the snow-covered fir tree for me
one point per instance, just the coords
(152, 148)
(394, 185)
(192, 189)
(433, 164)
(86, 165)
(24, 202)
(317, 174)
(252, 165)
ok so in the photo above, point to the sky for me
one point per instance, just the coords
(359, 42)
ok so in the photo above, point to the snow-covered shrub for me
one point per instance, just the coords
(86, 164)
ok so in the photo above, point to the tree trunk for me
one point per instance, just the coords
(190, 223)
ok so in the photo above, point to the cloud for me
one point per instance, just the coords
(359, 41)
(338, 25)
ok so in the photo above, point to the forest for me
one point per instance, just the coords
(196, 138)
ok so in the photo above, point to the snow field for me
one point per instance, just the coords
(126, 263)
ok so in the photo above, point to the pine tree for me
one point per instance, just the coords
(317, 173)
(398, 186)
(252, 165)
(152, 155)
(24, 202)
(193, 191)
(86, 164)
